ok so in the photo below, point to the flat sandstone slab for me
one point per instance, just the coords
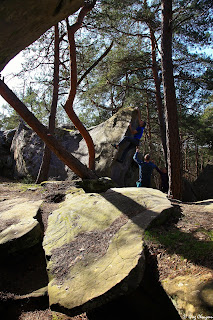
(18, 227)
(94, 241)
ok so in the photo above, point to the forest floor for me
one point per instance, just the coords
(182, 246)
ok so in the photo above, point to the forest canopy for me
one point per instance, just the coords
(118, 55)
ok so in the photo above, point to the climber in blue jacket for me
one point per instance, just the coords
(145, 170)
(133, 141)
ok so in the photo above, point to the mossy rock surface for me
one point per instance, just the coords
(94, 245)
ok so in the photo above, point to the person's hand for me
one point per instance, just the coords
(137, 149)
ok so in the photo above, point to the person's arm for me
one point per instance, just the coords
(155, 167)
(158, 170)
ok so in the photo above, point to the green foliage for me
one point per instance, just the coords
(38, 105)
(198, 128)
(205, 133)
(193, 21)
(27, 180)
(9, 119)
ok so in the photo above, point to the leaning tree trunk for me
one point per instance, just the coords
(172, 129)
(45, 164)
(74, 164)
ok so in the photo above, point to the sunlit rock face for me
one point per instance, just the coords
(19, 229)
(23, 22)
(104, 135)
(94, 245)
(27, 149)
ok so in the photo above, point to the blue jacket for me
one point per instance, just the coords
(145, 170)
(139, 133)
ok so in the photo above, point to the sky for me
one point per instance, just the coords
(13, 66)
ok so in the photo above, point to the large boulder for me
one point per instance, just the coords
(27, 148)
(6, 158)
(188, 192)
(110, 132)
(94, 245)
(19, 228)
(22, 22)
(203, 186)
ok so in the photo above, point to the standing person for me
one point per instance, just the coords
(145, 170)
(164, 185)
(133, 141)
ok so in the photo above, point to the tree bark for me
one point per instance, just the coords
(44, 168)
(148, 124)
(74, 164)
(172, 129)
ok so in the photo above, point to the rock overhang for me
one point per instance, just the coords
(23, 22)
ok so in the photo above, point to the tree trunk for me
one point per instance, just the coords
(186, 157)
(45, 164)
(74, 164)
(69, 103)
(197, 160)
(148, 124)
(172, 129)
(158, 95)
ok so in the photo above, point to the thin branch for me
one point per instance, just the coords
(95, 64)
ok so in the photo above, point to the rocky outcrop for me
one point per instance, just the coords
(203, 186)
(6, 158)
(188, 192)
(19, 230)
(23, 22)
(94, 245)
(27, 150)
(105, 134)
